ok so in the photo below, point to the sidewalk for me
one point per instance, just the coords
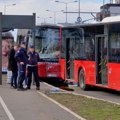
(30, 105)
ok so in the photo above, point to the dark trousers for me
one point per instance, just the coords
(34, 70)
(14, 78)
(21, 75)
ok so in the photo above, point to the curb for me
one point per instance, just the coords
(90, 97)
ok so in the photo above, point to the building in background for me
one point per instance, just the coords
(117, 1)
(107, 10)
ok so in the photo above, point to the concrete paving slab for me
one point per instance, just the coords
(29, 105)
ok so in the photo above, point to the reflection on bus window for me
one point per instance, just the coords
(79, 48)
(89, 47)
(76, 42)
(81, 45)
(115, 47)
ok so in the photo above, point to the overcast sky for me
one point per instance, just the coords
(40, 6)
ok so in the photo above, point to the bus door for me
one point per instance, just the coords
(69, 59)
(101, 57)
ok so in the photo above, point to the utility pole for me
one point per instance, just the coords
(111, 1)
(66, 13)
(79, 9)
(103, 2)
(1, 48)
(79, 20)
(66, 4)
(5, 7)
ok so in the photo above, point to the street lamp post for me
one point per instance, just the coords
(79, 20)
(44, 18)
(54, 17)
(54, 14)
(79, 9)
(103, 2)
(5, 6)
(66, 4)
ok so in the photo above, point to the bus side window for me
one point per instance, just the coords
(89, 48)
(115, 47)
(77, 48)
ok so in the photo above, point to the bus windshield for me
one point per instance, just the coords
(47, 42)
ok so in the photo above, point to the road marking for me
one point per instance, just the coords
(10, 116)
(63, 107)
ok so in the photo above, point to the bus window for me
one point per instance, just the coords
(115, 47)
(78, 48)
(89, 47)
(76, 42)
(63, 44)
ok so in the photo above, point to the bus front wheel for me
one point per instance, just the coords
(82, 80)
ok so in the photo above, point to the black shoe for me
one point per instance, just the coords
(37, 88)
(12, 87)
(15, 87)
(25, 88)
(28, 88)
(21, 89)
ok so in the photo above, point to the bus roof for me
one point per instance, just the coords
(108, 20)
(46, 25)
(111, 19)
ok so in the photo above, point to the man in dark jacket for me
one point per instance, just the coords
(12, 65)
(22, 59)
(32, 67)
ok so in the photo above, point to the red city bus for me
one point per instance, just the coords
(47, 43)
(90, 55)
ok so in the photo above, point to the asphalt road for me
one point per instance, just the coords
(100, 93)
(3, 115)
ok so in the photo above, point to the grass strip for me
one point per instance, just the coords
(87, 108)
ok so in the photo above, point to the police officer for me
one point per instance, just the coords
(22, 59)
(32, 67)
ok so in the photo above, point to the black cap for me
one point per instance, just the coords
(32, 46)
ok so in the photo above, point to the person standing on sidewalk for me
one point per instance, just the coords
(32, 67)
(22, 59)
(12, 65)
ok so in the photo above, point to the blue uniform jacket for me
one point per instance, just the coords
(33, 58)
(21, 56)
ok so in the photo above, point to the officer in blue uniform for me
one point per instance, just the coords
(22, 59)
(32, 67)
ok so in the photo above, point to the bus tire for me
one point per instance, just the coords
(82, 80)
